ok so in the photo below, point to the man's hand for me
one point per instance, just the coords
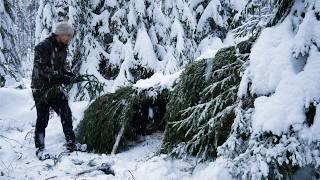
(77, 79)
(62, 79)
(74, 78)
(67, 78)
(69, 73)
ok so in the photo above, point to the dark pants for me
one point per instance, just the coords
(58, 101)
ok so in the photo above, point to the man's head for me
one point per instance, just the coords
(64, 32)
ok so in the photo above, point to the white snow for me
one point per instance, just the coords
(308, 33)
(208, 47)
(2, 9)
(125, 77)
(170, 63)
(214, 170)
(158, 80)
(47, 18)
(132, 19)
(144, 49)
(211, 11)
(111, 3)
(270, 58)
(17, 152)
(116, 51)
(104, 28)
(292, 95)
(285, 65)
(15, 109)
(140, 6)
(238, 5)
(178, 32)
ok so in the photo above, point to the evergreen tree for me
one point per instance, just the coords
(278, 153)
(25, 22)
(202, 107)
(9, 59)
(124, 41)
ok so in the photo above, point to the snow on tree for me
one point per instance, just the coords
(9, 58)
(202, 107)
(49, 13)
(25, 22)
(256, 15)
(275, 133)
(160, 36)
(215, 19)
(44, 20)
(125, 24)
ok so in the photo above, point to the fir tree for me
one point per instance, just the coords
(9, 58)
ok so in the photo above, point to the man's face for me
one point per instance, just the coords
(64, 38)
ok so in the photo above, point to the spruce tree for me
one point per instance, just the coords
(9, 59)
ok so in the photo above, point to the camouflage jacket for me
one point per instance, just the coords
(49, 67)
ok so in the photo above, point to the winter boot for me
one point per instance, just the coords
(42, 154)
(76, 147)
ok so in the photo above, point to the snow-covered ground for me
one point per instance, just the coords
(18, 160)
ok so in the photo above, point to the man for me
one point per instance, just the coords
(49, 72)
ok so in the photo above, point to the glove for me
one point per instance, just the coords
(68, 73)
(61, 79)
(66, 79)
(78, 79)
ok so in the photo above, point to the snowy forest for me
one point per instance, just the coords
(170, 89)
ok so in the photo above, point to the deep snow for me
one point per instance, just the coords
(18, 160)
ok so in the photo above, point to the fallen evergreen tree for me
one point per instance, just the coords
(115, 120)
(200, 111)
